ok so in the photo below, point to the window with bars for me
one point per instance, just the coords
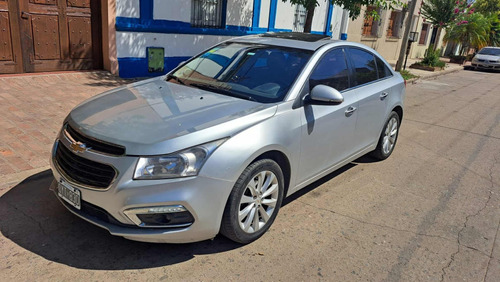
(207, 13)
(423, 34)
(394, 27)
(369, 22)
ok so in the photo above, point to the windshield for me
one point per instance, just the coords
(490, 51)
(259, 73)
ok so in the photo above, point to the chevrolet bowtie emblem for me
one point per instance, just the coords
(78, 147)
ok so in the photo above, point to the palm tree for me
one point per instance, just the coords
(472, 31)
(440, 13)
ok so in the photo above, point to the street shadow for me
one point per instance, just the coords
(316, 184)
(35, 220)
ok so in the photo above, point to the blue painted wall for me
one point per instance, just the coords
(138, 67)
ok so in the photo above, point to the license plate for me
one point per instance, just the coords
(69, 194)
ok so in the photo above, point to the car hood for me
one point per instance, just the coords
(155, 117)
(487, 57)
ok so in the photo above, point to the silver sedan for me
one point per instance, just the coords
(218, 143)
(487, 58)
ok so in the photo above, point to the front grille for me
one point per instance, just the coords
(84, 171)
(96, 145)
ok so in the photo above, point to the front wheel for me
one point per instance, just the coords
(254, 202)
(388, 138)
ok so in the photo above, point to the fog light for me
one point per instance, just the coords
(161, 217)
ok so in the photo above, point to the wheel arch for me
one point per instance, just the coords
(399, 110)
(282, 160)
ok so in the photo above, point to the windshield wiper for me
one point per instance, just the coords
(222, 91)
(171, 76)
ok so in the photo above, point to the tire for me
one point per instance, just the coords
(264, 175)
(384, 150)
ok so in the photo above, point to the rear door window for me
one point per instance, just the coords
(365, 68)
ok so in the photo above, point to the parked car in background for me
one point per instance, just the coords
(219, 142)
(487, 58)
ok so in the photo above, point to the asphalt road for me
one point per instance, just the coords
(430, 212)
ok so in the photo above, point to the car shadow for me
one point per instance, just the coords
(35, 220)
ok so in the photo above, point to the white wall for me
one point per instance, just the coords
(133, 44)
(336, 22)
(264, 13)
(173, 10)
(285, 15)
(239, 12)
(320, 14)
(127, 8)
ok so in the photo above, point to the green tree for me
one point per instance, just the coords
(470, 30)
(440, 13)
(487, 6)
(494, 32)
(354, 7)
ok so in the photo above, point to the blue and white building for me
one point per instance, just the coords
(184, 28)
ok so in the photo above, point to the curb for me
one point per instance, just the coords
(433, 75)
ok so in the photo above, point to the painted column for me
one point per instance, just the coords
(344, 25)
(328, 30)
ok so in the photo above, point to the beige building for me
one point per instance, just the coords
(385, 35)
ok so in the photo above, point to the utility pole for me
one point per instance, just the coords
(406, 34)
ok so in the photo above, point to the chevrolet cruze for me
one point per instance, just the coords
(215, 145)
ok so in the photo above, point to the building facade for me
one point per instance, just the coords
(141, 38)
(185, 28)
(385, 35)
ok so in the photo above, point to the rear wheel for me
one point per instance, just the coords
(254, 202)
(388, 138)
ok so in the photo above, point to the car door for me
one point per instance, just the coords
(373, 88)
(327, 130)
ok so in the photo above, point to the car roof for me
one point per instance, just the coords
(299, 40)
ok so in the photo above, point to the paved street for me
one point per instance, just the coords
(430, 212)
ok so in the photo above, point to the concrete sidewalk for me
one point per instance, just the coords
(32, 108)
(422, 74)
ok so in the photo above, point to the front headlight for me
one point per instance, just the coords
(181, 164)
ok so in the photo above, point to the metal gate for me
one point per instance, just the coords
(49, 35)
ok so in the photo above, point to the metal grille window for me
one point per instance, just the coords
(207, 13)
(394, 27)
(369, 22)
(423, 34)
(299, 19)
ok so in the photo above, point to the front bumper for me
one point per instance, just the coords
(202, 196)
(486, 65)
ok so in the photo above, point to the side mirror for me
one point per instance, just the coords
(324, 95)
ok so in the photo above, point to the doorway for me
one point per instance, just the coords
(50, 35)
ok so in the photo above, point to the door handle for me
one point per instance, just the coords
(350, 111)
(25, 15)
(383, 95)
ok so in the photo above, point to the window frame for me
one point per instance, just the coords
(349, 69)
(426, 36)
(353, 71)
(222, 13)
(395, 29)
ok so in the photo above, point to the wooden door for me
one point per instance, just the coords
(59, 34)
(10, 48)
